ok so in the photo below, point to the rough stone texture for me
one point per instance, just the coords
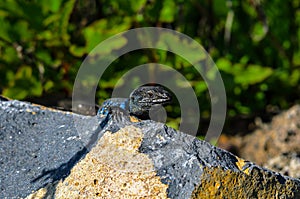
(114, 169)
(275, 142)
(36, 143)
(220, 183)
(140, 157)
(286, 164)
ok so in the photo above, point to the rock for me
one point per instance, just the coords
(286, 164)
(114, 168)
(123, 158)
(35, 142)
(282, 135)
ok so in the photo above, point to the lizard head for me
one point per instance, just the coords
(142, 99)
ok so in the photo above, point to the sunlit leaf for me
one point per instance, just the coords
(168, 11)
(224, 65)
(23, 84)
(98, 31)
(253, 74)
(259, 31)
(295, 78)
(77, 51)
(137, 5)
(53, 5)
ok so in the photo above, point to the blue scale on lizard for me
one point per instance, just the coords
(139, 102)
(122, 103)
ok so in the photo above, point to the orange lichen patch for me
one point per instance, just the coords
(218, 183)
(30, 111)
(114, 169)
(241, 163)
(134, 119)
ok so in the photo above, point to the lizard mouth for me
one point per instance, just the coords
(163, 100)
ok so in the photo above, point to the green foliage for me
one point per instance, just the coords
(255, 45)
(21, 81)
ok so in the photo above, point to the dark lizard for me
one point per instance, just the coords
(140, 101)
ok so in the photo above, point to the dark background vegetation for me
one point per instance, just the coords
(254, 43)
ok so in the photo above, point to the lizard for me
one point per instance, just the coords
(140, 101)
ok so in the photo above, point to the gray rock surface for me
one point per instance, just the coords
(37, 146)
(40, 146)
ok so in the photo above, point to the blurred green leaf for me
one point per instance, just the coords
(220, 7)
(23, 84)
(114, 45)
(45, 56)
(259, 32)
(190, 51)
(77, 51)
(137, 5)
(53, 5)
(295, 78)
(48, 85)
(9, 55)
(168, 11)
(4, 30)
(98, 31)
(258, 57)
(252, 74)
(224, 65)
(200, 87)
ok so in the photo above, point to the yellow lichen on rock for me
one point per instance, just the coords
(114, 169)
(220, 183)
